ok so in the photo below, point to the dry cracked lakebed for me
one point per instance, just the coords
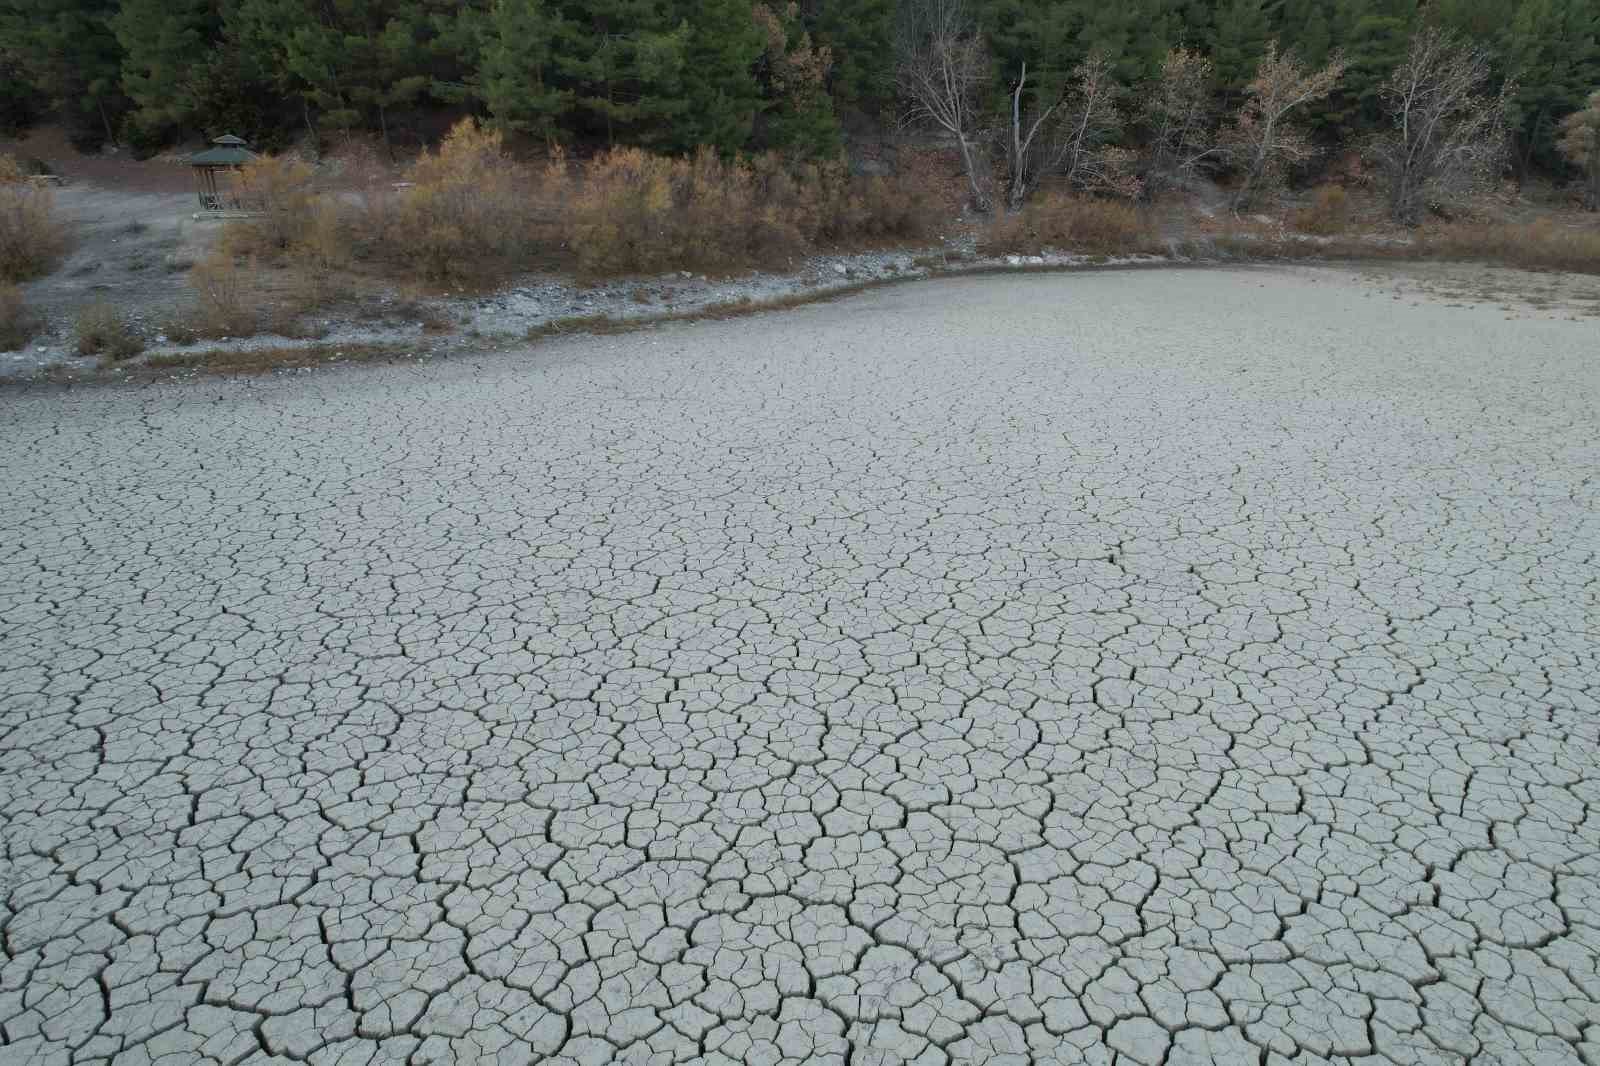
(1161, 667)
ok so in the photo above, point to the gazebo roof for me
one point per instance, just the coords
(228, 151)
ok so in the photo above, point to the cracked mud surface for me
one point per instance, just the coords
(1126, 668)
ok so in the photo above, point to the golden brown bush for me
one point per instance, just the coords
(1327, 214)
(1540, 245)
(102, 331)
(32, 239)
(1062, 223)
(634, 212)
(467, 213)
(226, 303)
(464, 216)
(18, 324)
(278, 192)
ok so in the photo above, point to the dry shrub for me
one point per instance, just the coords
(32, 240)
(102, 331)
(324, 245)
(18, 324)
(1063, 223)
(634, 212)
(463, 216)
(226, 303)
(1327, 214)
(1540, 245)
(278, 192)
(643, 213)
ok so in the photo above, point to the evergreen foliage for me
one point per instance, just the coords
(736, 75)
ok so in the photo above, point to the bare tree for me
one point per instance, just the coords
(1580, 145)
(1263, 138)
(1031, 149)
(1093, 120)
(1448, 132)
(941, 69)
(1070, 135)
(1181, 119)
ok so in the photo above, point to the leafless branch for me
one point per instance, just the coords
(942, 65)
(1448, 133)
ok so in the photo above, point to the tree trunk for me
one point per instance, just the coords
(980, 201)
(1018, 183)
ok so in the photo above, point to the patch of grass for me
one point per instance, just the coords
(264, 360)
(101, 330)
(1062, 223)
(594, 324)
(18, 323)
(180, 330)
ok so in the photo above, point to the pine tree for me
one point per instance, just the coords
(717, 90)
(1238, 41)
(162, 43)
(857, 34)
(68, 52)
(1552, 49)
(515, 72)
(615, 56)
(797, 114)
(1303, 26)
(1372, 36)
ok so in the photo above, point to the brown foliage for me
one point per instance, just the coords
(18, 324)
(470, 215)
(465, 215)
(1540, 245)
(32, 240)
(639, 213)
(227, 304)
(1327, 214)
(1181, 118)
(1580, 145)
(1063, 223)
(1263, 139)
(102, 331)
(277, 190)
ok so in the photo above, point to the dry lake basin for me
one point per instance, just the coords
(1163, 666)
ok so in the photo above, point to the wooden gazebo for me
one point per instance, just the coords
(226, 155)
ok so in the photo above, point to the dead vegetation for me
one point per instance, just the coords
(1539, 245)
(1061, 222)
(32, 239)
(1327, 214)
(635, 213)
(18, 323)
(266, 360)
(468, 215)
(102, 330)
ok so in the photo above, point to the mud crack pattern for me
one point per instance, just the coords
(1131, 668)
